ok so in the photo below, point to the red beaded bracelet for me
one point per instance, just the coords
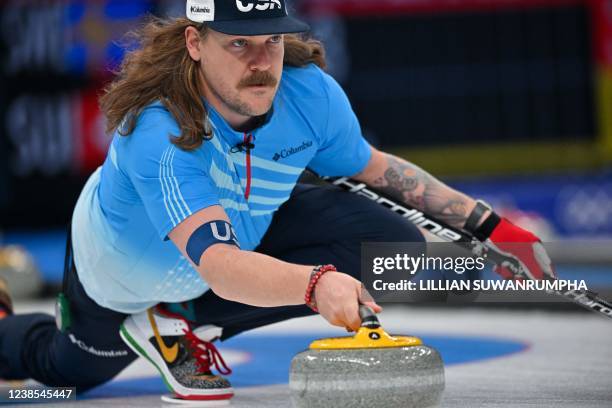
(314, 278)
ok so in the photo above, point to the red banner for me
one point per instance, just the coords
(90, 140)
(392, 7)
(602, 31)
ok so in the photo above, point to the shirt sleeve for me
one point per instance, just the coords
(172, 183)
(342, 149)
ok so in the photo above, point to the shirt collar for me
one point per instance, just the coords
(230, 135)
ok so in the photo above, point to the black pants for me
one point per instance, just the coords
(317, 225)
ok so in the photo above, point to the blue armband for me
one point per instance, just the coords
(214, 232)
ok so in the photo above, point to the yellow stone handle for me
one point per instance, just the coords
(369, 335)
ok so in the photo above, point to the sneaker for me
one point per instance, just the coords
(6, 305)
(183, 359)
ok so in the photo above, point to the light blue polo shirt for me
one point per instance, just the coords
(147, 186)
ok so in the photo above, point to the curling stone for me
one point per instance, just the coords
(19, 270)
(371, 369)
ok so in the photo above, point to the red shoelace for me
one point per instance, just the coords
(205, 352)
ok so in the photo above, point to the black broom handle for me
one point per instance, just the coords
(585, 298)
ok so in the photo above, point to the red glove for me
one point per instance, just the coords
(502, 236)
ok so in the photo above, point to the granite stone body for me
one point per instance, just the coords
(407, 377)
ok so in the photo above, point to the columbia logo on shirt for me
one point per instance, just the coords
(292, 150)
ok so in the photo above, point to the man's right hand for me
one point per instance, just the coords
(338, 297)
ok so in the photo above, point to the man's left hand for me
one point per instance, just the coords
(505, 237)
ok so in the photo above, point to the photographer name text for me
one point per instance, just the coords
(480, 284)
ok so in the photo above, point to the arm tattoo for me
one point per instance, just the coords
(406, 182)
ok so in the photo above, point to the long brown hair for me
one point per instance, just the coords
(161, 69)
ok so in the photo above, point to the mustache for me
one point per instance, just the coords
(258, 78)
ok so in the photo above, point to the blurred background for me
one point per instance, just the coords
(507, 100)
